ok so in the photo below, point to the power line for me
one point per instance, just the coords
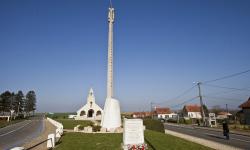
(228, 76)
(230, 88)
(177, 97)
(222, 92)
(189, 100)
(223, 98)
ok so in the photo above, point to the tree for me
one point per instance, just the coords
(5, 102)
(30, 102)
(19, 102)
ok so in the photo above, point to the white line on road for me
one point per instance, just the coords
(15, 129)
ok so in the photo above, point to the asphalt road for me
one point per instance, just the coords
(239, 141)
(19, 133)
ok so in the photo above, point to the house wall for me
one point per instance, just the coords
(194, 115)
(166, 116)
(246, 112)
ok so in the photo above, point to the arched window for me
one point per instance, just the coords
(98, 113)
(82, 113)
(90, 113)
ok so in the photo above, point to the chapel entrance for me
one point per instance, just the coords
(90, 113)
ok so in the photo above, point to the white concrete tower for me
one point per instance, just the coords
(111, 118)
(111, 18)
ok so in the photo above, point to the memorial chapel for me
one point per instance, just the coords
(90, 111)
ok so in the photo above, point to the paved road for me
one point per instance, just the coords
(19, 133)
(238, 141)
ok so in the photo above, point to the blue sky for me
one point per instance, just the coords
(59, 49)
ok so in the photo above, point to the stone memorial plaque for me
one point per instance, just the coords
(133, 131)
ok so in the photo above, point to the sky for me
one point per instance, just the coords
(59, 49)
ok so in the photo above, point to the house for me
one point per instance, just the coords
(223, 115)
(90, 111)
(164, 113)
(246, 111)
(192, 111)
(141, 114)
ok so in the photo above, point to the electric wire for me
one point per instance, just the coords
(228, 76)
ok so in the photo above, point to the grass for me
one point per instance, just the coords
(59, 115)
(161, 141)
(4, 123)
(70, 123)
(112, 141)
(80, 141)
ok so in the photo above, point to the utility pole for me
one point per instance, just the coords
(226, 108)
(151, 109)
(201, 103)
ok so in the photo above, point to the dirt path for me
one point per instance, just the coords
(48, 129)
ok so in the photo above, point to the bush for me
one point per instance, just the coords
(155, 125)
(81, 127)
(172, 120)
(96, 128)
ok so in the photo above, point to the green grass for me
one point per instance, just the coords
(81, 141)
(60, 115)
(4, 123)
(161, 141)
(70, 123)
(112, 141)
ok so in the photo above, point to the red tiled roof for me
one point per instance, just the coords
(162, 111)
(192, 108)
(245, 104)
(224, 113)
(142, 113)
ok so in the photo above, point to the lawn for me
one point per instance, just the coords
(112, 141)
(70, 123)
(161, 141)
(84, 141)
(4, 123)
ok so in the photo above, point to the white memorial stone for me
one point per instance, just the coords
(51, 141)
(88, 129)
(133, 131)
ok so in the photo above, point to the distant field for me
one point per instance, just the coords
(112, 141)
(60, 115)
(70, 123)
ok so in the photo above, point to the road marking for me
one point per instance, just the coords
(15, 129)
(230, 138)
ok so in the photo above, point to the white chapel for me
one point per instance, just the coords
(90, 111)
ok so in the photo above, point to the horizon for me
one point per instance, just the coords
(59, 50)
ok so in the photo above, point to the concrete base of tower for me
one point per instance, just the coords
(111, 118)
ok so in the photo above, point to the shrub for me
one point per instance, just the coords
(155, 125)
(81, 127)
(172, 120)
(96, 128)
